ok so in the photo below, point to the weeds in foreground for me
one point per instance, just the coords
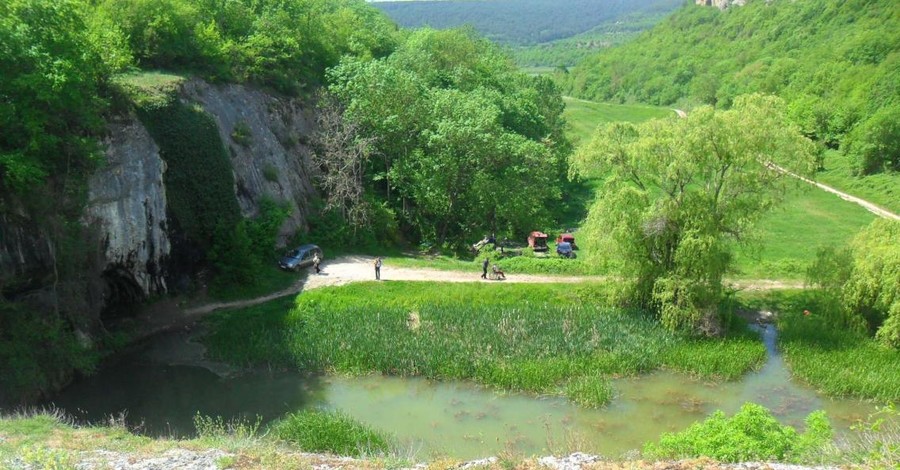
(874, 443)
(335, 432)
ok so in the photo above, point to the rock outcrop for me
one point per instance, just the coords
(266, 137)
(127, 203)
(721, 4)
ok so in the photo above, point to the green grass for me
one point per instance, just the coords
(533, 338)
(269, 279)
(882, 189)
(584, 116)
(329, 431)
(791, 235)
(834, 361)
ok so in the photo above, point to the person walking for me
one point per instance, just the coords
(378, 268)
(316, 262)
(484, 267)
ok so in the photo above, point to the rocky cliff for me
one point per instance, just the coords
(127, 205)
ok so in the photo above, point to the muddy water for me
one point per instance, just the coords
(163, 387)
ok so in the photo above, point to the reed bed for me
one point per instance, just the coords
(839, 363)
(545, 339)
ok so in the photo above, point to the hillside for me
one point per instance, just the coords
(836, 63)
(543, 32)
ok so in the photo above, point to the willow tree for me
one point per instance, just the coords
(678, 194)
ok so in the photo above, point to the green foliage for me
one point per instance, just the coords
(873, 289)
(535, 338)
(751, 434)
(215, 427)
(242, 135)
(35, 352)
(331, 431)
(51, 77)
(589, 391)
(834, 62)
(462, 135)
(286, 45)
(875, 442)
(679, 192)
(874, 144)
(199, 181)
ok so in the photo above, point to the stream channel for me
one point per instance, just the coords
(163, 386)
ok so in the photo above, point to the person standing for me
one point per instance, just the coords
(316, 262)
(484, 267)
(378, 268)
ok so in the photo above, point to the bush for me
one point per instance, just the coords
(335, 432)
(874, 144)
(751, 434)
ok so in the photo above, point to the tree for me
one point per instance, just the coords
(468, 143)
(680, 192)
(873, 290)
(874, 144)
(341, 155)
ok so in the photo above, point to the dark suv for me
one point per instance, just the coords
(300, 257)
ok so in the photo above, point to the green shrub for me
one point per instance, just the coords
(242, 134)
(751, 434)
(874, 144)
(329, 431)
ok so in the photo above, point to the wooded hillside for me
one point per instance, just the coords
(835, 62)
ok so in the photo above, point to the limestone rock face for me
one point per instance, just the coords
(266, 137)
(127, 204)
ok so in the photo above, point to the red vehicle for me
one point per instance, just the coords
(537, 241)
(568, 238)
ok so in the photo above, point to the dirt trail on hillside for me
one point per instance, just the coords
(862, 202)
(347, 269)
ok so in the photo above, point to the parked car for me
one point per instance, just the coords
(565, 249)
(300, 257)
(567, 237)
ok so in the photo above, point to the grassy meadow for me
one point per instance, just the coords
(882, 189)
(583, 116)
(545, 339)
(790, 235)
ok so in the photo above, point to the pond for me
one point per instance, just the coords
(162, 387)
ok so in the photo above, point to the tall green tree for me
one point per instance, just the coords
(678, 193)
(468, 144)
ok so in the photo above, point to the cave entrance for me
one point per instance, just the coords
(121, 294)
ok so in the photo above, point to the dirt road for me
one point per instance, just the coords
(347, 269)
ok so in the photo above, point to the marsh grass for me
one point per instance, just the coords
(531, 338)
(835, 361)
(331, 431)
